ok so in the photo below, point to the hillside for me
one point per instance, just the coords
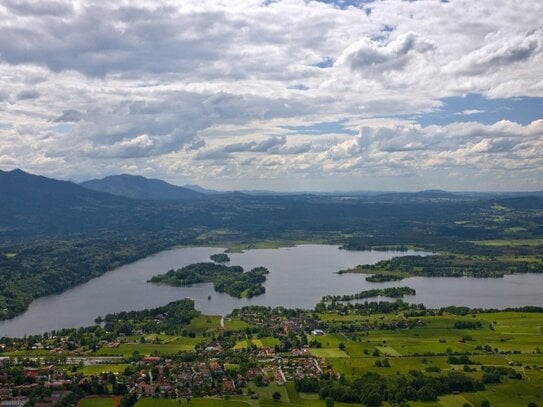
(138, 187)
(36, 204)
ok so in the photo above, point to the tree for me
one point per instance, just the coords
(427, 393)
(276, 396)
(373, 398)
(341, 346)
(485, 403)
(329, 401)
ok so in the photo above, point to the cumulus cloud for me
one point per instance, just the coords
(41, 8)
(499, 50)
(194, 89)
(368, 54)
(69, 115)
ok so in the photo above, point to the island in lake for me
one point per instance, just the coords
(226, 279)
(220, 258)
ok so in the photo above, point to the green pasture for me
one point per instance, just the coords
(328, 353)
(195, 402)
(204, 323)
(511, 242)
(179, 344)
(97, 402)
(235, 324)
(94, 370)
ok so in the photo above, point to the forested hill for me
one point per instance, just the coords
(138, 187)
(33, 206)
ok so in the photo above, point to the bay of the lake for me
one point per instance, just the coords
(299, 277)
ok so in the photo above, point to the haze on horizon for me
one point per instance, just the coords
(287, 95)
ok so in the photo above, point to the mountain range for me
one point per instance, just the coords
(33, 205)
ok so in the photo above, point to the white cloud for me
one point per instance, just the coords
(366, 54)
(190, 89)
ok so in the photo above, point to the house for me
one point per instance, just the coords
(317, 332)
(152, 359)
(147, 389)
(59, 395)
(15, 402)
(228, 386)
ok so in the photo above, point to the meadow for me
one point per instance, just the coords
(507, 339)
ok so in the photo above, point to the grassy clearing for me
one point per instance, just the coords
(506, 395)
(195, 402)
(27, 353)
(180, 344)
(267, 341)
(94, 370)
(204, 323)
(97, 402)
(235, 324)
(265, 393)
(231, 367)
(452, 400)
(328, 353)
(248, 343)
(512, 242)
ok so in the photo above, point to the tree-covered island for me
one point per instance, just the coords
(391, 292)
(220, 258)
(226, 279)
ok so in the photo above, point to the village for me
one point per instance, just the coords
(213, 367)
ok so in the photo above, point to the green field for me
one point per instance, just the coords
(27, 353)
(205, 323)
(97, 402)
(328, 353)
(512, 243)
(101, 368)
(176, 345)
(235, 324)
(247, 343)
(195, 402)
(516, 340)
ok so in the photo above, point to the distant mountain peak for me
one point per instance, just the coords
(202, 190)
(139, 187)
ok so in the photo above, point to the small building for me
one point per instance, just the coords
(15, 402)
(228, 386)
(152, 359)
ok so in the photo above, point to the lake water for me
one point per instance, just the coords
(299, 277)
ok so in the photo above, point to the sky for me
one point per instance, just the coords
(284, 95)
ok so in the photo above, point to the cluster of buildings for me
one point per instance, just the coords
(166, 378)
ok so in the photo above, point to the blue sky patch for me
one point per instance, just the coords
(343, 4)
(475, 107)
(326, 62)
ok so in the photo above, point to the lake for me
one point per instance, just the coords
(299, 277)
